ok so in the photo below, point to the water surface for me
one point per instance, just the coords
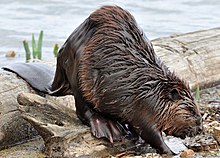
(58, 18)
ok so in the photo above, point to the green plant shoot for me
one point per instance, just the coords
(27, 50)
(39, 45)
(55, 50)
(34, 51)
(198, 93)
(37, 48)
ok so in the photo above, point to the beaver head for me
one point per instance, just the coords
(183, 117)
(175, 111)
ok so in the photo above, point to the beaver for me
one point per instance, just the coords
(110, 67)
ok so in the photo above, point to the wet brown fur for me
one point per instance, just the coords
(110, 62)
(129, 72)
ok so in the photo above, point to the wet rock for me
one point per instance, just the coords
(175, 144)
(186, 153)
(10, 53)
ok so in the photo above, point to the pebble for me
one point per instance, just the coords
(186, 153)
(11, 54)
(100, 148)
(218, 92)
(213, 123)
(216, 134)
(152, 155)
(201, 143)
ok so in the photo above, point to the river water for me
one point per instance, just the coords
(58, 18)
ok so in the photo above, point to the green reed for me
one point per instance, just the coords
(36, 47)
(197, 93)
(55, 50)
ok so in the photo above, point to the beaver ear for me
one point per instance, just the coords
(174, 94)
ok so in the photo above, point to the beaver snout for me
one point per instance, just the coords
(199, 124)
(199, 127)
(199, 120)
(190, 129)
(190, 132)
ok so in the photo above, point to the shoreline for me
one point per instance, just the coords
(190, 55)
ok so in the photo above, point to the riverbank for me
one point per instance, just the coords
(209, 98)
(193, 56)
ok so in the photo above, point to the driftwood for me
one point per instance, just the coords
(193, 56)
(63, 133)
(13, 128)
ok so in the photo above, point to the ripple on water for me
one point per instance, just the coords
(58, 18)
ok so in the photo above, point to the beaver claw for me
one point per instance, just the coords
(105, 128)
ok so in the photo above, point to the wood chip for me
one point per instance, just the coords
(186, 153)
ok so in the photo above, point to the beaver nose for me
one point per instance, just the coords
(199, 125)
(199, 121)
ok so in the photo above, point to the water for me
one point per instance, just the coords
(58, 18)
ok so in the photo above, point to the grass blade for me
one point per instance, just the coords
(55, 50)
(27, 50)
(34, 49)
(198, 93)
(39, 45)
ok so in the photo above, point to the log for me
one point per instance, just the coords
(13, 128)
(193, 56)
(62, 132)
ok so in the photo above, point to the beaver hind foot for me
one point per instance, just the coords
(105, 128)
(102, 127)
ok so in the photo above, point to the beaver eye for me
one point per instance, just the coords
(174, 95)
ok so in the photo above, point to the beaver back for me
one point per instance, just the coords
(118, 66)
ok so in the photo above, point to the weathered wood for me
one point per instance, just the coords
(62, 132)
(13, 128)
(56, 123)
(194, 56)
